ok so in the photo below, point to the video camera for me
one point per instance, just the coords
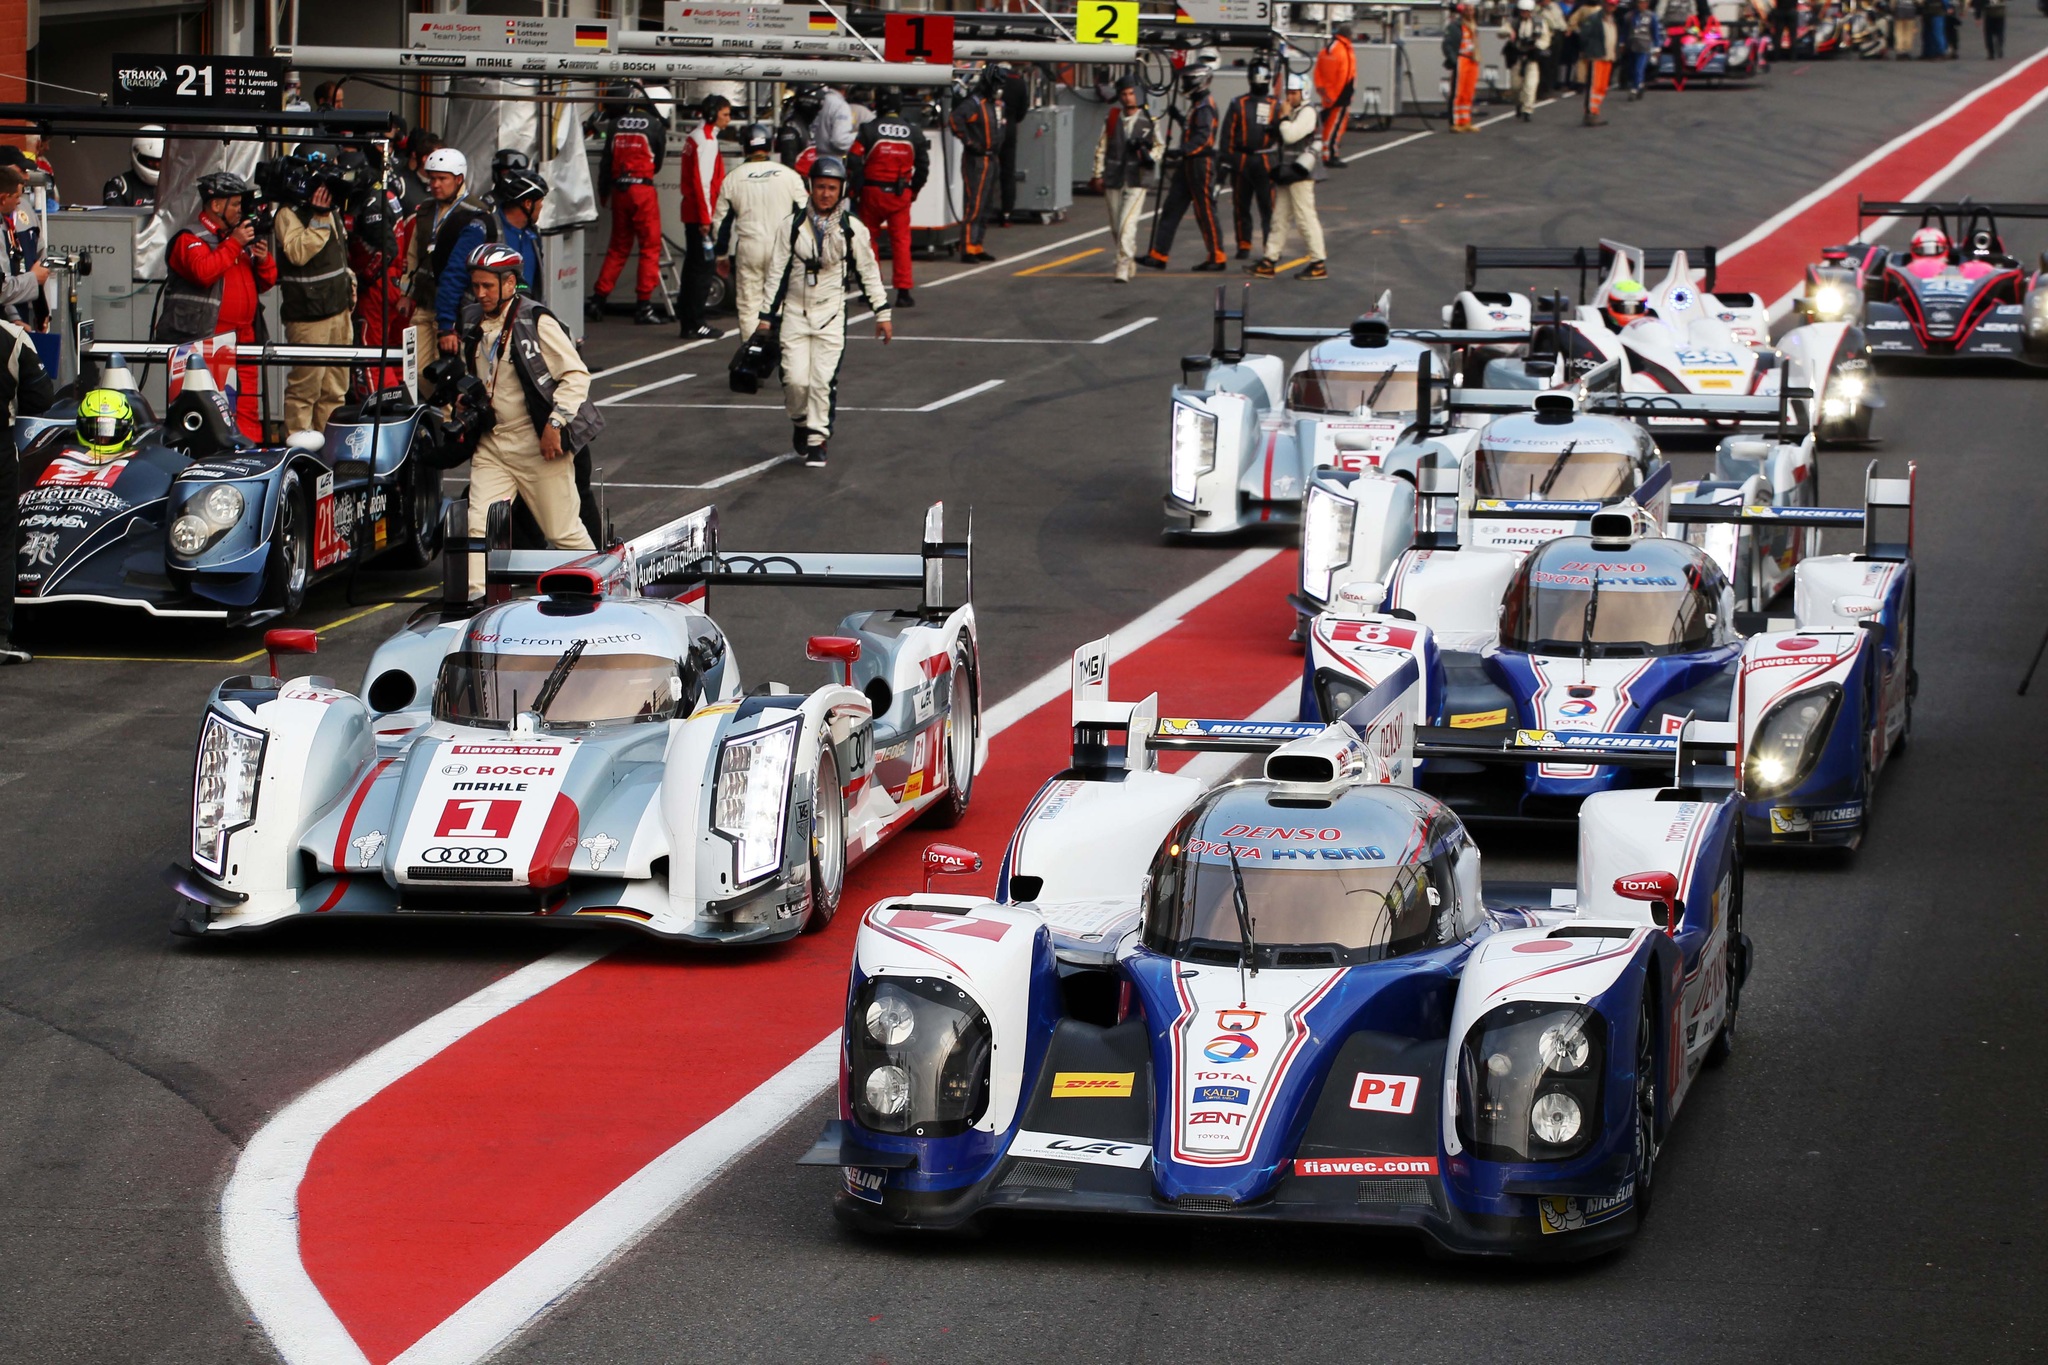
(292, 180)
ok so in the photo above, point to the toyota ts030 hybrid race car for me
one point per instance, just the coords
(1621, 630)
(196, 521)
(589, 756)
(1502, 471)
(1682, 336)
(1248, 430)
(1959, 296)
(1292, 999)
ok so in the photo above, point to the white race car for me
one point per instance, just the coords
(588, 755)
(1249, 431)
(1681, 335)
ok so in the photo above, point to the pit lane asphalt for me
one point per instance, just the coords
(1859, 1182)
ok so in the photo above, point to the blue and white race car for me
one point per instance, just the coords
(1292, 999)
(1627, 630)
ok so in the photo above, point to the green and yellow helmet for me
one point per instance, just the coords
(106, 422)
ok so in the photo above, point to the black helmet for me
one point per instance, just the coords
(989, 81)
(507, 159)
(222, 185)
(518, 186)
(759, 138)
(828, 168)
(1259, 77)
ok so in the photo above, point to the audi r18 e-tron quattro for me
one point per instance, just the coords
(1957, 295)
(1248, 430)
(1293, 999)
(589, 756)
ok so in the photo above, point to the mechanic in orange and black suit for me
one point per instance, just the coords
(1249, 147)
(1194, 181)
(977, 122)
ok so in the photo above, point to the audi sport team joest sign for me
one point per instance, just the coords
(205, 82)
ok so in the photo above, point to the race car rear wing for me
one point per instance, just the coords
(1591, 263)
(685, 555)
(1928, 208)
(1886, 502)
(1227, 346)
(1700, 757)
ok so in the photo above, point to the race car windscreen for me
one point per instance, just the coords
(489, 689)
(1346, 391)
(1353, 911)
(1655, 597)
(1569, 473)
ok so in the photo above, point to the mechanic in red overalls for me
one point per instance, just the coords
(218, 268)
(894, 163)
(634, 144)
(702, 174)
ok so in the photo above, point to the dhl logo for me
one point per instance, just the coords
(1093, 1084)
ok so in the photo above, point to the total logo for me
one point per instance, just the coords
(1572, 710)
(1226, 1048)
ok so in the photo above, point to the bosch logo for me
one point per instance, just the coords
(473, 857)
(506, 770)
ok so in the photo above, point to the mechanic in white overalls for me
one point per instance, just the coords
(753, 208)
(824, 252)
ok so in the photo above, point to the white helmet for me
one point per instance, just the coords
(1295, 81)
(147, 152)
(446, 159)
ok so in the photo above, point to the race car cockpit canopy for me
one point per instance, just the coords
(1338, 377)
(1587, 457)
(1650, 597)
(1366, 875)
(612, 662)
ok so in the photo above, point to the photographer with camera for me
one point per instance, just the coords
(219, 266)
(539, 391)
(319, 288)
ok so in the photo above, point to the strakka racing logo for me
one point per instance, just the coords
(476, 857)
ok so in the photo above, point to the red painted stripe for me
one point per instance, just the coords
(447, 1179)
(1779, 262)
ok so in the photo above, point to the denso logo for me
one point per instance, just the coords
(1282, 832)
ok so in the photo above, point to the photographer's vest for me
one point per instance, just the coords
(521, 338)
(427, 275)
(321, 287)
(189, 311)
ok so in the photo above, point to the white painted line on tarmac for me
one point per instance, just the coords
(616, 399)
(614, 1223)
(259, 1209)
(660, 355)
(948, 401)
(1800, 205)
(1123, 331)
(723, 479)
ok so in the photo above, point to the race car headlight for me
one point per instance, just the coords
(751, 802)
(918, 1054)
(1789, 740)
(1529, 1082)
(1327, 521)
(205, 517)
(1829, 300)
(1194, 448)
(224, 780)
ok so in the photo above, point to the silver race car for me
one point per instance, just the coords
(588, 754)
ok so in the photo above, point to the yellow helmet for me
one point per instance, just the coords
(106, 422)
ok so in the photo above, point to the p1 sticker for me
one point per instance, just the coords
(1384, 1094)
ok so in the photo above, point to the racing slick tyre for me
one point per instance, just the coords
(1723, 1046)
(1646, 1107)
(963, 734)
(422, 494)
(291, 548)
(828, 844)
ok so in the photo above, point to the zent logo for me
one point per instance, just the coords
(1230, 1047)
(477, 820)
(1384, 1094)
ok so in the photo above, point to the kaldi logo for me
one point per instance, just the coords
(1384, 1094)
(477, 820)
(1366, 1165)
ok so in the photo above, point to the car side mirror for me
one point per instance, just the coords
(841, 649)
(1864, 611)
(277, 642)
(948, 860)
(1660, 889)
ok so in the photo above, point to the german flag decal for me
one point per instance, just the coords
(593, 35)
(822, 21)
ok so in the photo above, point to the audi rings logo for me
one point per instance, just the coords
(455, 769)
(474, 857)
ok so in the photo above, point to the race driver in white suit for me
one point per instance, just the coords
(823, 253)
(753, 208)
